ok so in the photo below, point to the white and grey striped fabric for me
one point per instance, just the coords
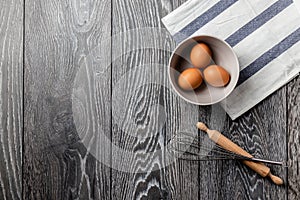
(265, 34)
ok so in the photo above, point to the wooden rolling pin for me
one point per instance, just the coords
(227, 144)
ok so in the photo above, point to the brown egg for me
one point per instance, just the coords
(190, 79)
(216, 76)
(200, 55)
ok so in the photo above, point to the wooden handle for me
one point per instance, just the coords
(227, 144)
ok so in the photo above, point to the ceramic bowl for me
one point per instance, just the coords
(223, 55)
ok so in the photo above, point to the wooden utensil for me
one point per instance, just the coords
(227, 144)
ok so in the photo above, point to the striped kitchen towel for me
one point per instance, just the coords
(265, 34)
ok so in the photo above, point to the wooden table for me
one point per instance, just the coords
(47, 107)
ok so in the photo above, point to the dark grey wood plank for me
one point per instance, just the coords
(59, 37)
(11, 99)
(293, 139)
(210, 172)
(262, 132)
(145, 111)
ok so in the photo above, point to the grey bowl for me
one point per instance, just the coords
(223, 55)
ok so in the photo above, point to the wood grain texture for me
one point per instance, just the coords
(11, 98)
(210, 172)
(293, 139)
(146, 113)
(59, 35)
(85, 89)
(261, 132)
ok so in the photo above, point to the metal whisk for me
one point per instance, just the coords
(186, 146)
